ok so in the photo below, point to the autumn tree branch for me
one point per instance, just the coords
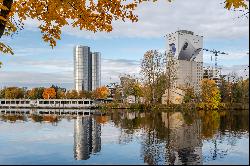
(4, 14)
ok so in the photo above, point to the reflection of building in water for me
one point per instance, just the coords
(184, 140)
(129, 115)
(128, 129)
(87, 137)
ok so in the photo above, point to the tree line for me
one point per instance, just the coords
(53, 92)
(158, 75)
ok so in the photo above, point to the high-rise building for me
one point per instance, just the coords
(209, 72)
(96, 70)
(87, 69)
(186, 49)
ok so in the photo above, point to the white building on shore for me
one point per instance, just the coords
(187, 51)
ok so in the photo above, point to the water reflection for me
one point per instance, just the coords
(185, 143)
(13, 118)
(170, 138)
(178, 138)
(87, 137)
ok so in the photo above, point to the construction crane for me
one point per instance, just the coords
(216, 54)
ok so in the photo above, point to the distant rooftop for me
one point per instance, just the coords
(186, 31)
(81, 46)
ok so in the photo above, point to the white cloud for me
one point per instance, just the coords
(20, 50)
(230, 56)
(112, 69)
(240, 70)
(49, 65)
(60, 71)
(34, 77)
(207, 18)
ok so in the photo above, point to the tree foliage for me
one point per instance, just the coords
(240, 91)
(35, 93)
(60, 92)
(71, 94)
(210, 94)
(12, 93)
(153, 72)
(101, 93)
(236, 4)
(189, 95)
(234, 89)
(171, 73)
(49, 93)
(130, 86)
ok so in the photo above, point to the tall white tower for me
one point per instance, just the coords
(188, 50)
(96, 70)
(87, 69)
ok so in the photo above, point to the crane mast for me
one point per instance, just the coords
(216, 54)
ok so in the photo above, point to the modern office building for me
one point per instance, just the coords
(210, 72)
(96, 70)
(87, 69)
(186, 49)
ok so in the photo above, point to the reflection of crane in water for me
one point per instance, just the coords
(217, 151)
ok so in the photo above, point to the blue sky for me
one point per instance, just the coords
(36, 64)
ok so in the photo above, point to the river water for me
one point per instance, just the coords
(126, 137)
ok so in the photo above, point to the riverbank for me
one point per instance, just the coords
(47, 107)
(177, 107)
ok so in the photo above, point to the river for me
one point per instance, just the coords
(126, 137)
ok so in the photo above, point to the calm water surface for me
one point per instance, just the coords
(126, 138)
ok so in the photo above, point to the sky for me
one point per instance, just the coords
(36, 64)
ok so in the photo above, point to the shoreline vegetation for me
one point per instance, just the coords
(176, 107)
(154, 107)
